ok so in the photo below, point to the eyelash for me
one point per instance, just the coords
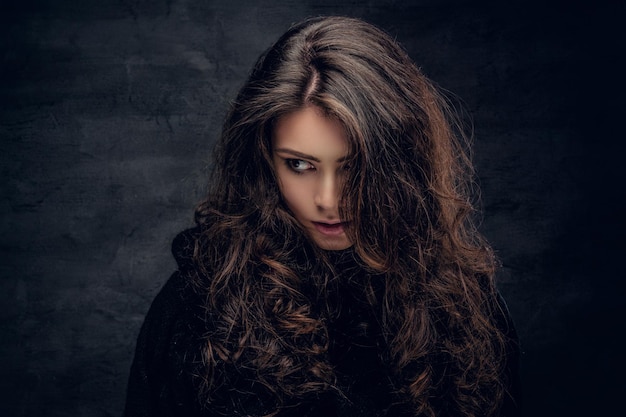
(291, 162)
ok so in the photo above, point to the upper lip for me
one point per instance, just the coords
(330, 223)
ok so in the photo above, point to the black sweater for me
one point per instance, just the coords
(171, 338)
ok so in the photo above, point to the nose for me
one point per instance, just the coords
(327, 194)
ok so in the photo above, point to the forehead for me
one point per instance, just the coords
(311, 132)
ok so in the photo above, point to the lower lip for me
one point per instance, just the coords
(329, 229)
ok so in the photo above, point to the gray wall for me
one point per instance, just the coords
(109, 110)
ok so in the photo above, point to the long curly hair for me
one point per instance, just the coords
(408, 194)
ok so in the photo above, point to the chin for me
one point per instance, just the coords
(338, 244)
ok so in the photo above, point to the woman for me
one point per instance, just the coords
(334, 269)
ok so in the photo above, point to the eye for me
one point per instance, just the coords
(298, 165)
(344, 169)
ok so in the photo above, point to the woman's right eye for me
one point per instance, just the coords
(298, 165)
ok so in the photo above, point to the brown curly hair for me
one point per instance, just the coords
(408, 191)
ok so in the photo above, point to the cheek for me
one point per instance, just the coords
(295, 194)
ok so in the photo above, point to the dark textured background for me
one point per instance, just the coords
(109, 109)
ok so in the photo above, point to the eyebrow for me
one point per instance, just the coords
(303, 155)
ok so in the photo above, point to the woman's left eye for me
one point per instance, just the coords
(298, 165)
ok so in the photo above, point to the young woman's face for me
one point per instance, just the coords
(309, 150)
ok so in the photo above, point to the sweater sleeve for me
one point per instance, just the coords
(155, 386)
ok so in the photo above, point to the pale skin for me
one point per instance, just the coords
(309, 150)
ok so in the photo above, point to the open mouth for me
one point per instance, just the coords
(330, 229)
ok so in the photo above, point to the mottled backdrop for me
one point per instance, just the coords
(109, 109)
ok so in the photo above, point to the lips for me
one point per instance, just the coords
(330, 229)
